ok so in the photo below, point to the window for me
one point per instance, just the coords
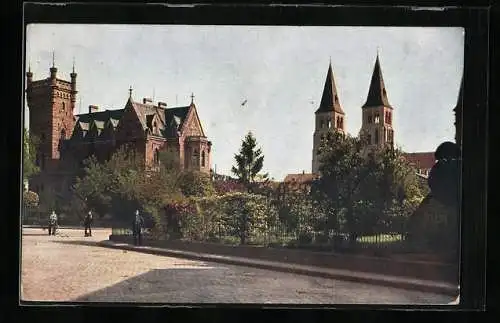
(376, 137)
(157, 156)
(377, 118)
(195, 157)
(64, 106)
(203, 159)
(370, 118)
(385, 135)
(342, 123)
(329, 124)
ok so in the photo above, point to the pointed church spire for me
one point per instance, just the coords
(53, 58)
(377, 95)
(330, 99)
(73, 64)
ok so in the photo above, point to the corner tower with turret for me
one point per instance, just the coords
(51, 102)
(328, 116)
(377, 124)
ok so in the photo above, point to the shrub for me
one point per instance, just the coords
(30, 199)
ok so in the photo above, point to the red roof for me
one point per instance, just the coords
(421, 160)
(300, 178)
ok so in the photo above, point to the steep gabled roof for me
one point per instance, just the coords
(330, 98)
(377, 94)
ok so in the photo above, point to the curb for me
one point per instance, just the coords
(64, 227)
(345, 275)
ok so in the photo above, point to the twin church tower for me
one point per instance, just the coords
(377, 114)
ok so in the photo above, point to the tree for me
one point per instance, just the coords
(343, 170)
(30, 145)
(196, 184)
(249, 160)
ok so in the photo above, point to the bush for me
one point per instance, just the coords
(30, 199)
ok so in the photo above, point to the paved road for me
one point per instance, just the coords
(70, 267)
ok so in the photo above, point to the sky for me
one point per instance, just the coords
(279, 70)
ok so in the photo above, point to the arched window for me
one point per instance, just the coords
(377, 118)
(64, 106)
(329, 124)
(196, 157)
(203, 158)
(157, 156)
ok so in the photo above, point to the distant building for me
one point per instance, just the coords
(298, 182)
(422, 161)
(67, 139)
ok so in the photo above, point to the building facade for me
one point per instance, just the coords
(66, 140)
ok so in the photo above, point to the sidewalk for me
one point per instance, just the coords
(69, 227)
(359, 277)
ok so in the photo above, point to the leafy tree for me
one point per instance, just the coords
(194, 183)
(30, 199)
(343, 171)
(249, 160)
(30, 145)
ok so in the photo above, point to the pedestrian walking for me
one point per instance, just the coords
(137, 226)
(52, 223)
(88, 224)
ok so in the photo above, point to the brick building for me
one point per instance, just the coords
(67, 139)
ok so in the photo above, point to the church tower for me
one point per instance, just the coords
(377, 113)
(51, 102)
(328, 116)
(458, 115)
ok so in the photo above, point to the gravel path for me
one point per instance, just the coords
(69, 267)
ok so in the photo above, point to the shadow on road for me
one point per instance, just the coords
(186, 284)
(90, 243)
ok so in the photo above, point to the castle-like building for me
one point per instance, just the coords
(66, 139)
(377, 114)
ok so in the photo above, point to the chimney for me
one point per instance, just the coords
(93, 108)
(146, 100)
(162, 104)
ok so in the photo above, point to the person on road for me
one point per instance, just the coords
(137, 226)
(52, 223)
(88, 224)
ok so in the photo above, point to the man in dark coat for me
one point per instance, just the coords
(137, 226)
(445, 184)
(52, 223)
(88, 224)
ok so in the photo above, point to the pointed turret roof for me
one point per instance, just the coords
(330, 99)
(377, 94)
(460, 95)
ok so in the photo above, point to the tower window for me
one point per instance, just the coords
(157, 156)
(329, 124)
(377, 118)
(203, 159)
(369, 118)
(64, 106)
